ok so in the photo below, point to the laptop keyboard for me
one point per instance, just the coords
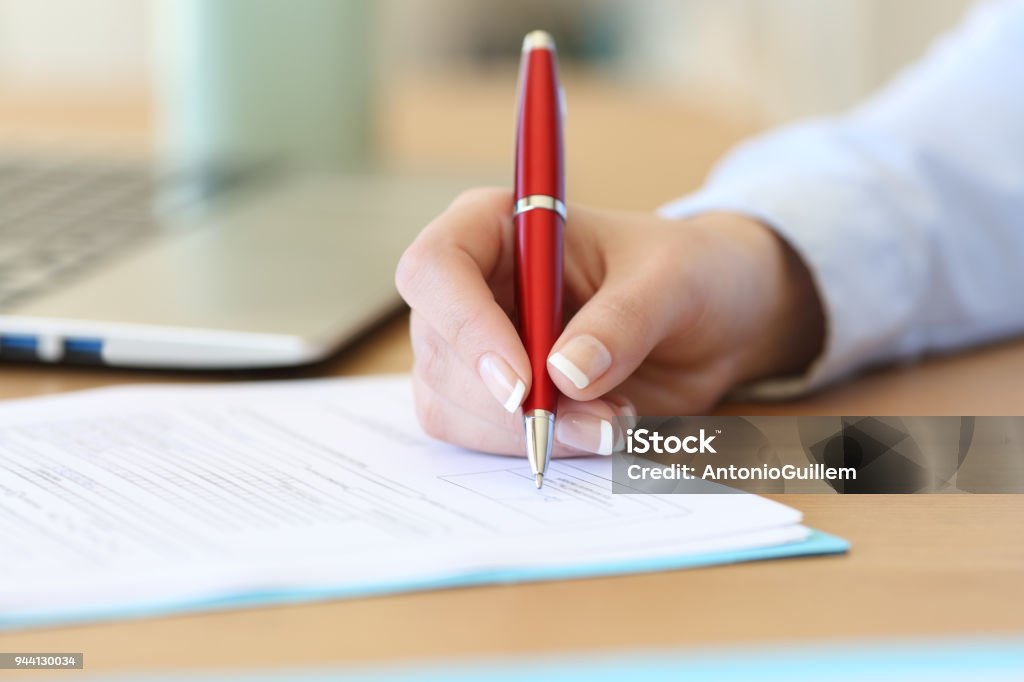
(56, 219)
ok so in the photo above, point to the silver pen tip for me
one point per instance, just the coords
(540, 430)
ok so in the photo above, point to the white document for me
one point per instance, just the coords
(119, 497)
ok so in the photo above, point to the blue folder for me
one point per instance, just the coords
(816, 543)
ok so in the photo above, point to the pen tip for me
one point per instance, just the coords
(539, 480)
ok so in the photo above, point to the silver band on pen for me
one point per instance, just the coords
(534, 201)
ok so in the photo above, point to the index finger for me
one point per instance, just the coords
(444, 275)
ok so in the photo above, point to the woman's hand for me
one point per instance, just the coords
(665, 317)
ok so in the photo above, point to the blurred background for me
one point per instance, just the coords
(657, 89)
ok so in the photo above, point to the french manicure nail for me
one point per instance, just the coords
(582, 360)
(585, 432)
(502, 381)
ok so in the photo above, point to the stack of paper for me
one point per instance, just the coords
(134, 501)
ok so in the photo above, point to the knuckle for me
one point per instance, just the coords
(430, 353)
(409, 270)
(663, 265)
(629, 314)
(477, 195)
(428, 413)
(696, 392)
(463, 325)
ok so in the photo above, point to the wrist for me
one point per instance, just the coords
(786, 316)
(800, 317)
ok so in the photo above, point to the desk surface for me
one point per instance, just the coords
(920, 565)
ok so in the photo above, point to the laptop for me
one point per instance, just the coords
(266, 270)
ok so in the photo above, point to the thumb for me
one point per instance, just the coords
(610, 336)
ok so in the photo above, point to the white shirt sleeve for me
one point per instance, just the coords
(908, 211)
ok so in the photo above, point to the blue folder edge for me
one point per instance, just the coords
(817, 543)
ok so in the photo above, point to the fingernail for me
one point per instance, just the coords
(585, 432)
(502, 381)
(582, 360)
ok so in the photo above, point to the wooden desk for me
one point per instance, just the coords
(920, 565)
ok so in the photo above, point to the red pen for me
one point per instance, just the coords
(540, 220)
